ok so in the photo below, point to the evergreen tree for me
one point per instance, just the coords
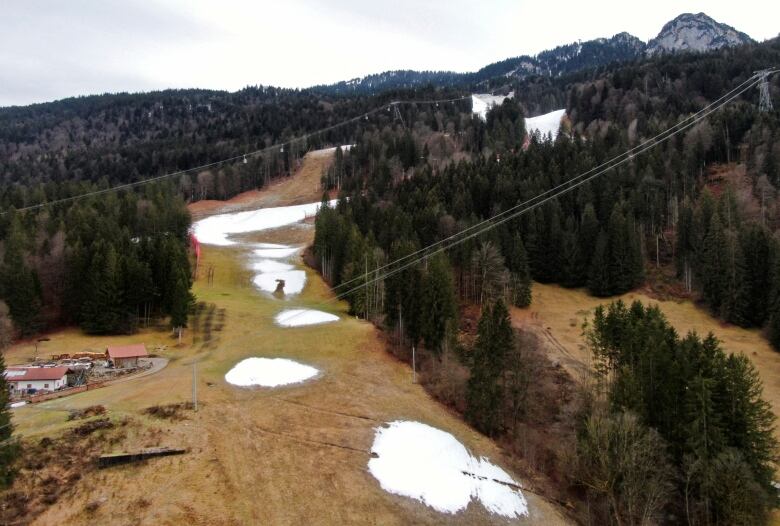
(757, 257)
(521, 273)
(182, 303)
(102, 310)
(713, 267)
(19, 284)
(9, 447)
(495, 341)
(599, 275)
(438, 303)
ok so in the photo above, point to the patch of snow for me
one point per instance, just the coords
(299, 317)
(14, 405)
(326, 151)
(424, 463)
(215, 230)
(269, 265)
(294, 280)
(545, 124)
(268, 372)
(276, 253)
(482, 102)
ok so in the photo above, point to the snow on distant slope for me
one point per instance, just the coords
(482, 102)
(427, 464)
(328, 151)
(545, 124)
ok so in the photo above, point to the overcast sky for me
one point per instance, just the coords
(55, 49)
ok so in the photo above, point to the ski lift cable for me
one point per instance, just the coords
(629, 154)
(240, 157)
(494, 221)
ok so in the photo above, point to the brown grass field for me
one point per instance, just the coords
(291, 455)
(557, 314)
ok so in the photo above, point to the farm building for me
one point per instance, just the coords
(38, 378)
(126, 356)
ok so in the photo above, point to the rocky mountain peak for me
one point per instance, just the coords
(695, 32)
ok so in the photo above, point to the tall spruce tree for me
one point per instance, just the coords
(484, 393)
(599, 276)
(438, 303)
(521, 273)
(9, 447)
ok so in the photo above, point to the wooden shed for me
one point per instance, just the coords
(126, 356)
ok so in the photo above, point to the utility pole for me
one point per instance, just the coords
(765, 103)
(397, 115)
(414, 367)
(401, 321)
(195, 386)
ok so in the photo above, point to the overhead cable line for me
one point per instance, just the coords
(628, 154)
(494, 221)
(236, 158)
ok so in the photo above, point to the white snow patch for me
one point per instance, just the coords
(294, 280)
(215, 230)
(299, 317)
(545, 124)
(14, 405)
(419, 461)
(482, 102)
(327, 151)
(269, 265)
(268, 372)
(276, 253)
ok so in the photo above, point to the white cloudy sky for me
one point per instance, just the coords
(51, 49)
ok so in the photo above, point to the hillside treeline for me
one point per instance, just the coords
(688, 204)
(107, 263)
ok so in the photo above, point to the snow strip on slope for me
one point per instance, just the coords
(269, 265)
(419, 461)
(299, 317)
(268, 372)
(215, 230)
(544, 124)
(482, 102)
(276, 251)
(325, 151)
(294, 280)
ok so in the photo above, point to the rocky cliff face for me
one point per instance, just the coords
(699, 32)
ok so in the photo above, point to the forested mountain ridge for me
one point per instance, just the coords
(687, 32)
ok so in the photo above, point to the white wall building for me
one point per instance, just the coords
(38, 378)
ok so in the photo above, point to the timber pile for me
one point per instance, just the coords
(137, 456)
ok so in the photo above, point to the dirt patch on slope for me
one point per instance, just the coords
(300, 188)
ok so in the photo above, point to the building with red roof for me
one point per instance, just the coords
(38, 378)
(126, 356)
